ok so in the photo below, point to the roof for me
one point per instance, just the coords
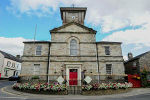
(36, 42)
(137, 57)
(108, 42)
(9, 56)
(65, 25)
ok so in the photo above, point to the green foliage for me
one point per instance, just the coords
(35, 77)
(144, 74)
(56, 87)
(105, 86)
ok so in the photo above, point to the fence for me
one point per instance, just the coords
(91, 78)
(74, 85)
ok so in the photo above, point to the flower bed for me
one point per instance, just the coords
(42, 88)
(105, 88)
(90, 89)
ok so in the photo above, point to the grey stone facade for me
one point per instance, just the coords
(90, 54)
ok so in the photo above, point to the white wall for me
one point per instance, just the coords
(18, 68)
(1, 62)
(10, 69)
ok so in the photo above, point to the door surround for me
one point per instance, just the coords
(74, 66)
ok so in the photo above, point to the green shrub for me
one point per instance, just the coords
(144, 74)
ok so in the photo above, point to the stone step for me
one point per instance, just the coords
(74, 90)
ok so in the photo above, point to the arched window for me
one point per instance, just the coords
(73, 47)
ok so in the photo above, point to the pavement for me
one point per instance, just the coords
(133, 92)
(6, 93)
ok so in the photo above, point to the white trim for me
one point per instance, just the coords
(73, 66)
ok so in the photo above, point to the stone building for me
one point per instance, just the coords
(134, 65)
(9, 65)
(72, 50)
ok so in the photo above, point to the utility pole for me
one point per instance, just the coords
(35, 32)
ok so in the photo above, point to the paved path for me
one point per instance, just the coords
(7, 93)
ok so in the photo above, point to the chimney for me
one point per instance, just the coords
(130, 55)
(18, 56)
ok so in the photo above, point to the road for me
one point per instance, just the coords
(8, 96)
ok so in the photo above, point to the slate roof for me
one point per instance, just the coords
(108, 42)
(73, 8)
(68, 24)
(9, 56)
(137, 57)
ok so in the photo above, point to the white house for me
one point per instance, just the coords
(9, 65)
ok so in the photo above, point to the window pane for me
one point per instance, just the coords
(38, 50)
(8, 63)
(107, 50)
(6, 72)
(73, 47)
(108, 68)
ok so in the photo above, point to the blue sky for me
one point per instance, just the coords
(114, 20)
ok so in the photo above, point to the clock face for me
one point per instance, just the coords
(73, 17)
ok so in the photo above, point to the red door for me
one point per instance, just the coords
(0, 75)
(134, 80)
(73, 77)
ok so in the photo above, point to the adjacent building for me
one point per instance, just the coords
(72, 50)
(135, 65)
(9, 65)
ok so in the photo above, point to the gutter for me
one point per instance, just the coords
(97, 59)
(47, 77)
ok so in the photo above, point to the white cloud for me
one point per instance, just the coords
(13, 46)
(140, 36)
(30, 7)
(110, 14)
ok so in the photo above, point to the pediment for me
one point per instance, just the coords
(73, 27)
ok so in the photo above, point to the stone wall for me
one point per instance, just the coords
(144, 62)
(30, 58)
(67, 17)
(30, 49)
(64, 37)
(115, 49)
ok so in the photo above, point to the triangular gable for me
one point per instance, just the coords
(73, 27)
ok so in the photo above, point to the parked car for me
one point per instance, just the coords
(14, 78)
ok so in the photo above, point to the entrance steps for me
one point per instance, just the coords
(74, 89)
